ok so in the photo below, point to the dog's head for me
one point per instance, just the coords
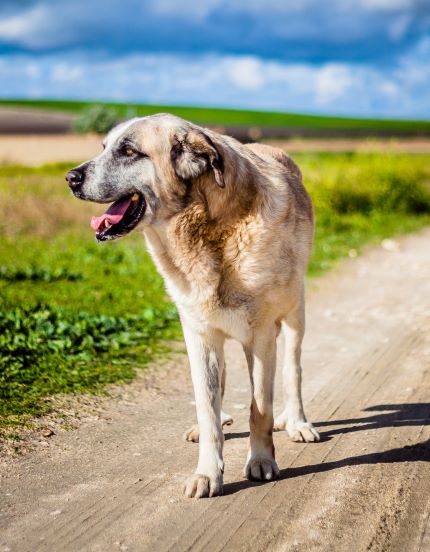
(146, 170)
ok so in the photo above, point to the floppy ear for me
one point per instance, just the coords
(193, 154)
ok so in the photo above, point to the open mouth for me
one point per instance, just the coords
(120, 219)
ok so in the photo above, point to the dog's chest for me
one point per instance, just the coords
(203, 311)
(206, 285)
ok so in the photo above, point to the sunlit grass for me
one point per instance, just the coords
(361, 198)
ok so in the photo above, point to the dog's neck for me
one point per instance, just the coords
(223, 204)
(182, 245)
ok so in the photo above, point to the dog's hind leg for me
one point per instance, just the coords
(226, 419)
(293, 418)
(192, 434)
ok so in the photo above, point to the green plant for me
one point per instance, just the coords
(96, 118)
(47, 350)
(38, 274)
(370, 183)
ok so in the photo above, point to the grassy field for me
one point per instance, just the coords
(75, 315)
(236, 117)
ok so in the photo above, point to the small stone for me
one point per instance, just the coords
(47, 432)
(390, 245)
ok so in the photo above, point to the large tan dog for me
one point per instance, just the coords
(230, 228)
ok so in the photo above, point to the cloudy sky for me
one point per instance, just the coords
(351, 57)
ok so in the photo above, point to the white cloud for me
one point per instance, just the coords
(332, 83)
(246, 72)
(399, 27)
(234, 81)
(389, 88)
(32, 70)
(62, 72)
(193, 9)
(389, 5)
(34, 28)
(16, 27)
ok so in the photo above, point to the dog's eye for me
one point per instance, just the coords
(129, 151)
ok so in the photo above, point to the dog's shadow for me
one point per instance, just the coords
(389, 415)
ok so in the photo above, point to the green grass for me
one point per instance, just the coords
(76, 315)
(363, 198)
(233, 117)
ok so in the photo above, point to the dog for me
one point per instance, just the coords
(230, 228)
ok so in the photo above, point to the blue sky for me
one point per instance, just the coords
(350, 57)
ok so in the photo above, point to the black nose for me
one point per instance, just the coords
(75, 179)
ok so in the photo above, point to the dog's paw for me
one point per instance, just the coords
(203, 486)
(302, 432)
(299, 431)
(260, 468)
(192, 434)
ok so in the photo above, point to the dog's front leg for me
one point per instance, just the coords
(261, 357)
(206, 357)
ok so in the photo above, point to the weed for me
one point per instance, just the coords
(47, 350)
(96, 118)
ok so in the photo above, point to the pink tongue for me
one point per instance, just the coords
(113, 215)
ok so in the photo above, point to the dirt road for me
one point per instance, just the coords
(33, 149)
(115, 483)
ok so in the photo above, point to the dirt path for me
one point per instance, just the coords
(33, 149)
(114, 484)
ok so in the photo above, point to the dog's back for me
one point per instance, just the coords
(293, 173)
